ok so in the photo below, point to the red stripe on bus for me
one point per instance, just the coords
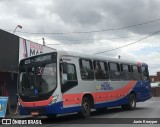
(74, 99)
(115, 94)
(36, 103)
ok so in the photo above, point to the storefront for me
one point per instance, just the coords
(12, 50)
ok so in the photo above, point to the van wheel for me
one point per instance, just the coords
(132, 103)
(85, 108)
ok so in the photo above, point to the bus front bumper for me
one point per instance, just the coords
(42, 110)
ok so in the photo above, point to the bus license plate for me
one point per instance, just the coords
(34, 113)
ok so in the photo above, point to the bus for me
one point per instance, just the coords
(64, 82)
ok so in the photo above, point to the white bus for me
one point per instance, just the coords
(64, 82)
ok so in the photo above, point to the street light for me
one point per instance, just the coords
(18, 26)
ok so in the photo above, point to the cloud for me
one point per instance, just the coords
(61, 16)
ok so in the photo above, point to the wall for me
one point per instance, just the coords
(9, 50)
(156, 91)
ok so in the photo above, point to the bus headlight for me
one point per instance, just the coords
(54, 100)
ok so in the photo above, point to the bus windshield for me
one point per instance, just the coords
(37, 79)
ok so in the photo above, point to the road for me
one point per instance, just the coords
(112, 117)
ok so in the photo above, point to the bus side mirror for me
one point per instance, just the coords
(64, 64)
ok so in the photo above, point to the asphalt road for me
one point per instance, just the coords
(148, 111)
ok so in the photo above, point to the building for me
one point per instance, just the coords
(155, 84)
(12, 49)
(155, 78)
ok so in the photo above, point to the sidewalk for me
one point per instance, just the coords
(18, 116)
(12, 114)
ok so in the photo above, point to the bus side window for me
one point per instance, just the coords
(114, 71)
(69, 79)
(136, 73)
(71, 75)
(101, 70)
(86, 69)
(126, 72)
(145, 73)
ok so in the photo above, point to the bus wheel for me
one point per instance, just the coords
(52, 116)
(85, 108)
(132, 103)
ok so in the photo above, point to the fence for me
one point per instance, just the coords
(156, 91)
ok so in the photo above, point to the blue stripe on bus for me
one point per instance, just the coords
(112, 103)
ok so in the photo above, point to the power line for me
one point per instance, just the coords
(92, 40)
(89, 39)
(93, 31)
(129, 43)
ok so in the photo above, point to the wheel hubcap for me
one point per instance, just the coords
(85, 107)
(132, 103)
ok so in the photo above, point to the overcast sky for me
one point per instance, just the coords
(73, 16)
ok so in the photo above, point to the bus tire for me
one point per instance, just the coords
(132, 103)
(85, 108)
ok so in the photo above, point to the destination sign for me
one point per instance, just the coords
(41, 58)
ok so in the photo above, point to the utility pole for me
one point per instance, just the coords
(119, 57)
(43, 41)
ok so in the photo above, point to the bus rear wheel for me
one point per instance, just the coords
(132, 103)
(85, 108)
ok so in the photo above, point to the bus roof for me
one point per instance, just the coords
(98, 57)
(62, 53)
